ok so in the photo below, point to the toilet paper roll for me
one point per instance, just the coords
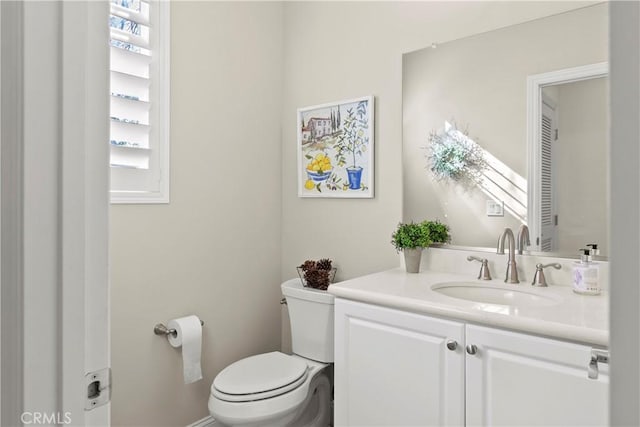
(189, 336)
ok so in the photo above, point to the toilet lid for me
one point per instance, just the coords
(261, 373)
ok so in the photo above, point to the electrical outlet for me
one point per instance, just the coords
(495, 208)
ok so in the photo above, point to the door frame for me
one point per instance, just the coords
(11, 236)
(54, 229)
(535, 83)
(624, 28)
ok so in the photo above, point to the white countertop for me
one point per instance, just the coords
(581, 318)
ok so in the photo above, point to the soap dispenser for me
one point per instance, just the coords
(586, 275)
(593, 247)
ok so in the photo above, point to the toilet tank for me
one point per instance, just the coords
(311, 316)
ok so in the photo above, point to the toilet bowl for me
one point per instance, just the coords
(272, 390)
(278, 390)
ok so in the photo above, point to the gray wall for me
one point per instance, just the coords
(214, 250)
(342, 50)
(582, 170)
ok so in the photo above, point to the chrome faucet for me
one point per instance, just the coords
(523, 239)
(512, 271)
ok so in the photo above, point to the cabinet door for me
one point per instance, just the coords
(393, 368)
(516, 379)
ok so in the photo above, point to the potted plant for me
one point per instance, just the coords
(412, 238)
(438, 232)
(352, 142)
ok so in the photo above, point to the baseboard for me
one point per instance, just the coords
(205, 422)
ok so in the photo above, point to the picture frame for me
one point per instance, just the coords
(335, 148)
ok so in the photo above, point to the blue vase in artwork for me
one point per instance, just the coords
(355, 175)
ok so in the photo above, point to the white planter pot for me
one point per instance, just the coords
(412, 259)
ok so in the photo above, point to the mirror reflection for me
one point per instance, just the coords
(574, 124)
(563, 195)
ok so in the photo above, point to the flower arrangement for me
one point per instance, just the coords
(453, 155)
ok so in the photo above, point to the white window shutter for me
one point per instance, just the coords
(139, 106)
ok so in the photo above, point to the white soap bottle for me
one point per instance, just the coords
(586, 275)
(593, 247)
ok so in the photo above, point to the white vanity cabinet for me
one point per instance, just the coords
(395, 368)
(519, 379)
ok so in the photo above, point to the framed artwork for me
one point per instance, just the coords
(335, 149)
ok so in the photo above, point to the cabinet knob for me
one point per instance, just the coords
(452, 345)
(472, 349)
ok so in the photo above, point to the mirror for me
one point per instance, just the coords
(481, 86)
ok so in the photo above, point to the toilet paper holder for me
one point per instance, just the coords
(160, 329)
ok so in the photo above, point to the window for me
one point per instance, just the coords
(139, 110)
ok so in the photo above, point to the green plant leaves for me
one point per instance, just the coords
(353, 140)
(412, 235)
(453, 155)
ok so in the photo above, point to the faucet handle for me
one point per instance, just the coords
(538, 278)
(484, 273)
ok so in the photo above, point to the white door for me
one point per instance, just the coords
(548, 211)
(393, 368)
(55, 112)
(522, 380)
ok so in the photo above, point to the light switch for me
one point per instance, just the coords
(495, 208)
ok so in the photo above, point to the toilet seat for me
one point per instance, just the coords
(259, 411)
(259, 377)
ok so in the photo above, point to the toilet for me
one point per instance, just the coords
(276, 389)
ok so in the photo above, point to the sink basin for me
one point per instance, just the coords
(507, 295)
